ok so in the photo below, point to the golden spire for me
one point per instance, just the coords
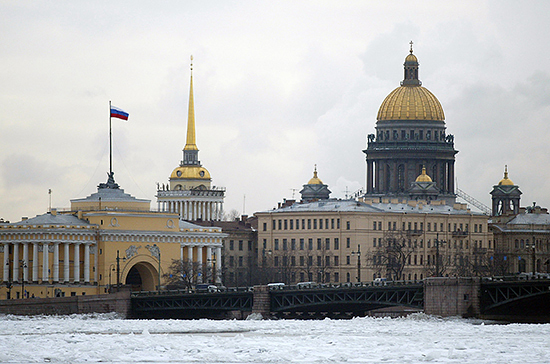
(191, 143)
(411, 43)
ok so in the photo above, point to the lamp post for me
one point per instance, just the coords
(23, 265)
(158, 251)
(533, 254)
(437, 242)
(117, 271)
(111, 269)
(9, 283)
(358, 253)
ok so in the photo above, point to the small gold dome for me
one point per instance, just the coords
(411, 58)
(423, 177)
(506, 181)
(411, 103)
(315, 180)
(190, 172)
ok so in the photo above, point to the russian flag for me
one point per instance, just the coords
(118, 113)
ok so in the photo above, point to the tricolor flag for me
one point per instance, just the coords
(118, 113)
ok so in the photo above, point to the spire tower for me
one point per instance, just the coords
(190, 151)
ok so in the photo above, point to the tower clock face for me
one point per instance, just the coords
(178, 173)
(201, 173)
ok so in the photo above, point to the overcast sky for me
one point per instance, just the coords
(279, 87)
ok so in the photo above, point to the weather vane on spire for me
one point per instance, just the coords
(191, 62)
(411, 43)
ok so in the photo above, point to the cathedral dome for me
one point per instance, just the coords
(190, 172)
(411, 103)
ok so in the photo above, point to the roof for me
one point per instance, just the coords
(53, 219)
(333, 205)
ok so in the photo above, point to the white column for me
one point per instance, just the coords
(209, 262)
(66, 264)
(35, 262)
(6, 262)
(26, 260)
(86, 263)
(77, 262)
(45, 263)
(15, 270)
(199, 263)
(56, 262)
(195, 208)
(219, 265)
(190, 260)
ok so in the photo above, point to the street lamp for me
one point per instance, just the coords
(23, 265)
(358, 253)
(117, 271)
(157, 250)
(9, 283)
(111, 269)
(533, 253)
(437, 242)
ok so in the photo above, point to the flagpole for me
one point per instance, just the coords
(110, 143)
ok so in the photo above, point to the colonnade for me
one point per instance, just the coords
(19, 267)
(193, 210)
(213, 260)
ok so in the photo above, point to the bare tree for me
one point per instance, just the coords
(391, 257)
(232, 215)
(182, 274)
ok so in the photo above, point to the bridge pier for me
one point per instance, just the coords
(262, 301)
(452, 296)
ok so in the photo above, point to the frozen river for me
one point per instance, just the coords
(415, 339)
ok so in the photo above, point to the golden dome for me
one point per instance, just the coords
(190, 172)
(411, 58)
(411, 103)
(315, 180)
(423, 177)
(506, 181)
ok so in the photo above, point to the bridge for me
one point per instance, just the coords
(487, 298)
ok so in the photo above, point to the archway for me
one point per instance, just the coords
(142, 277)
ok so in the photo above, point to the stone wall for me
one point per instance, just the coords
(262, 301)
(452, 297)
(117, 302)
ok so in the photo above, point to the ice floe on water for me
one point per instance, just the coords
(106, 338)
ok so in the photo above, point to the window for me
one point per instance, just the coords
(280, 224)
(338, 223)
(320, 223)
(276, 244)
(347, 225)
(379, 225)
(314, 223)
(240, 261)
(231, 245)
(327, 243)
(348, 277)
(293, 261)
(327, 261)
(240, 245)
(310, 244)
(389, 225)
(348, 259)
(276, 261)
(336, 244)
(308, 224)
(374, 225)
(310, 261)
(302, 245)
(348, 243)
(291, 224)
(231, 261)
(429, 227)
(273, 227)
(285, 247)
(319, 261)
(285, 261)
(292, 244)
(336, 260)
(301, 260)
(303, 224)
(286, 224)
(297, 224)
(250, 245)
(326, 223)
(374, 242)
(336, 277)
(265, 226)
(332, 223)
(319, 247)
(265, 243)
